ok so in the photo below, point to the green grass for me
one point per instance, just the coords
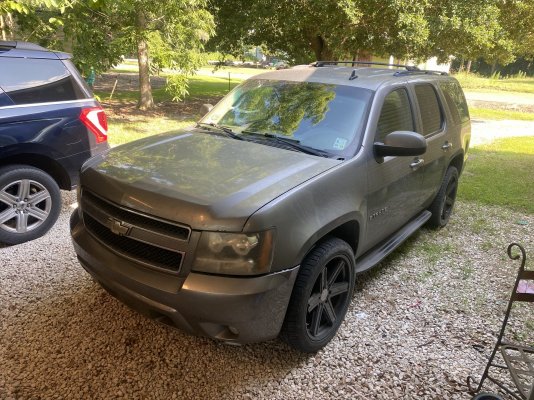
(199, 87)
(477, 82)
(501, 174)
(206, 86)
(121, 131)
(130, 66)
(223, 71)
(487, 113)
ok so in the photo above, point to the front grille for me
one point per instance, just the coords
(144, 253)
(135, 218)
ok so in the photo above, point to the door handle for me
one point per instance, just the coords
(446, 146)
(417, 163)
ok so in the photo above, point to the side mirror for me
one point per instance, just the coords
(401, 143)
(205, 108)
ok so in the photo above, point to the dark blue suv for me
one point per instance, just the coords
(50, 124)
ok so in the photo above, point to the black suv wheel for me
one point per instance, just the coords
(321, 296)
(30, 202)
(443, 204)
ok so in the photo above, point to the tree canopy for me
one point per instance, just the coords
(100, 32)
(306, 29)
(174, 33)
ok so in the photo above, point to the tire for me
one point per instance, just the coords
(487, 396)
(315, 314)
(30, 202)
(441, 207)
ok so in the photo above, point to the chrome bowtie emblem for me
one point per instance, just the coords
(118, 227)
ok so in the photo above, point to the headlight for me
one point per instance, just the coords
(234, 253)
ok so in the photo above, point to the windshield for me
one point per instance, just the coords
(320, 116)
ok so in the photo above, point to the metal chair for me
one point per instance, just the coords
(519, 359)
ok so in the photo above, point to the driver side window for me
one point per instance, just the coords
(396, 115)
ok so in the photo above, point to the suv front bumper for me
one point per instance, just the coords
(234, 309)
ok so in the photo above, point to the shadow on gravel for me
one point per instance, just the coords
(388, 265)
(82, 342)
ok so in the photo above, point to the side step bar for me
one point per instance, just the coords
(378, 253)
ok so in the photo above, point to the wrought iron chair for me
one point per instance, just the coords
(519, 359)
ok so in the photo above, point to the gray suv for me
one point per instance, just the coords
(255, 223)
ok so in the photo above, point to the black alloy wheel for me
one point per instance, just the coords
(443, 203)
(321, 296)
(328, 298)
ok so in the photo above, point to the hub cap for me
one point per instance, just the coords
(328, 298)
(24, 206)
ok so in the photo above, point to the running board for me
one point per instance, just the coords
(377, 254)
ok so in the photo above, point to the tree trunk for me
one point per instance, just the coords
(10, 26)
(461, 67)
(320, 48)
(3, 27)
(468, 67)
(146, 101)
(493, 67)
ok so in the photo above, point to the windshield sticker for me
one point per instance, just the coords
(340, 143)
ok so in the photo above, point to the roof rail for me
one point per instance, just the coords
(21, 45)
(420, 72)
(355, 63)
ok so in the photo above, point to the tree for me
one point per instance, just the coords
(99, 32)
(319, 30)
(516, 17)
(322, 30)
(468, 29)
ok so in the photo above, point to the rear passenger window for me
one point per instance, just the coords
(431, 114)
(396, 114)
(454, 96)
(28, 81)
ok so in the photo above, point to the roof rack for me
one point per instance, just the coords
(20, 45)
(355, 63)
(420, 72)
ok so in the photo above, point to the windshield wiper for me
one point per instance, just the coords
(293, 143)
(224, 129)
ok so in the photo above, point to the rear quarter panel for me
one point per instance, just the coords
(53, 130)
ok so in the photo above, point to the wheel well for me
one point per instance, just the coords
(349, 232)
(458, 162)
(44, 163)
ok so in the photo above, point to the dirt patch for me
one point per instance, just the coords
(126, 81)
(497, 105)
(128, 111)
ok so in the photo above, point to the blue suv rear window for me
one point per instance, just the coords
(28, 81)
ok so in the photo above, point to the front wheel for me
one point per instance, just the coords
(30, 202)
(321, 296)
(441, 207)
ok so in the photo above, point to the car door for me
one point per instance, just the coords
(433, 127)
(394, 183)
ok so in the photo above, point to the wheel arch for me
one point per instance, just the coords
(42, 162)
(458, 162)
(346, 229)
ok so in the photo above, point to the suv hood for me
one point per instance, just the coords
(206, 181)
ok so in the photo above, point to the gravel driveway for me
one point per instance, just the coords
(408, 335)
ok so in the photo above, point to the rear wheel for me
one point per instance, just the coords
(321, 296)
(443, 204)
(30, 202)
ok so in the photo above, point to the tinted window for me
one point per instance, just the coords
(396, 114)
(454, 96)
(37, 81)
(430, 110)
